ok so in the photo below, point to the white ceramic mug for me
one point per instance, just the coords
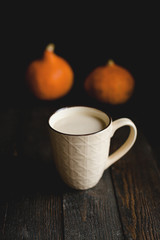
(80, 138)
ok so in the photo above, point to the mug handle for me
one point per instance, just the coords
(127, 144)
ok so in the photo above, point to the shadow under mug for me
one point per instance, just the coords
(81, 158)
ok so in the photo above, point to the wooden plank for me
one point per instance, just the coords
(8, 126)
(31, 207)
(136, 180)
(31, 199)
(92, 214)
(33, 217)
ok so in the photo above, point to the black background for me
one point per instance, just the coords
(87, 36)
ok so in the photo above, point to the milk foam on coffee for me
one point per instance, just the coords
(79, 123)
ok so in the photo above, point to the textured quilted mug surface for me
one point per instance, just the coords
(81, 159)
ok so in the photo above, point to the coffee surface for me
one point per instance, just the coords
(79, 124)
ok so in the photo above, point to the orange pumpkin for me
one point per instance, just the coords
(110, 83)
(50, 77)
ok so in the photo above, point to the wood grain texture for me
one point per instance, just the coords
(33, 217)
(31, 205)
(36, 204)
(92, 214)
(136, 180)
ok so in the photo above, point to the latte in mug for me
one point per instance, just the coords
(80, 138)
(80, 123)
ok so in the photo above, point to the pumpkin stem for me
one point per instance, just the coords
(50, 47)
(110, 62)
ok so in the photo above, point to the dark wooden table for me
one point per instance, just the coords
(36, 204)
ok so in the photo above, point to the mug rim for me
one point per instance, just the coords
(83, 134)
